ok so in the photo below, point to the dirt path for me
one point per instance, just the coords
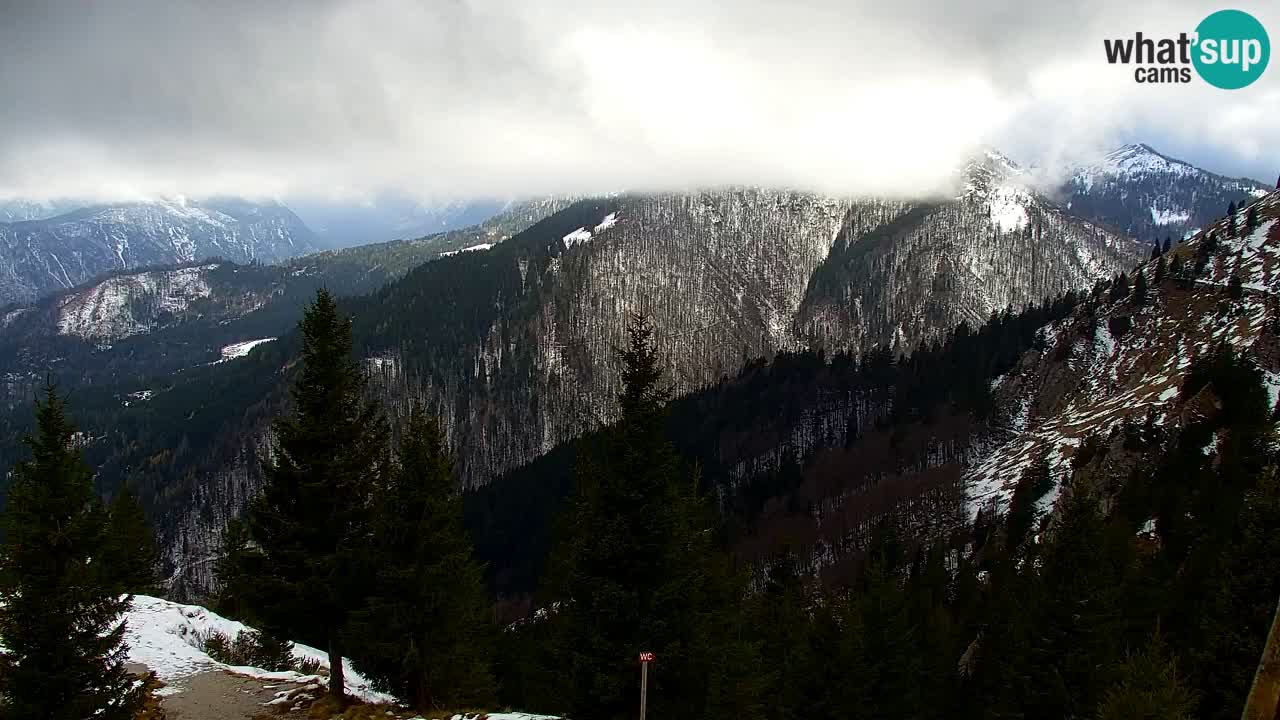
(220, 695)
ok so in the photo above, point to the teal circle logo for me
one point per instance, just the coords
(1232, 49)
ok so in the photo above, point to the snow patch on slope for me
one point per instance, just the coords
(582, 234)
(1008, 208)
(241, 349)
(471, 248)
(168, 638)
(1169, 217)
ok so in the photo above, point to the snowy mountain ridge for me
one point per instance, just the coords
(41, 256)
(1149, 195)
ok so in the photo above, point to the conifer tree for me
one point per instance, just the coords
(1079, 629)
(779, 614)
(635, 569)
(1235, 626)
(1161, 269)
(888, 644)
(1120, 288)
(1235, 287)
(1036, 480)
(1168, 243)
(1149, 687)
(1140, 296)
(310, 523)
(60, 614)
(425, 634)
(235, 570)
(131, 546)
(1231, 220)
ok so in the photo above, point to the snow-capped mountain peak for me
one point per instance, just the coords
(990, 168)
(1150, 195)
(1137, 159)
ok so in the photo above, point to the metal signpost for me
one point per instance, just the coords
(645, 659)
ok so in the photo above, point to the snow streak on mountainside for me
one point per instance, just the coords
(38, 257)
(1151, 196)
(1100, 368)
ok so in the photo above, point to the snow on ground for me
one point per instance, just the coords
(1114, 381)
(139, 396)
(168, 638)
(470, 248)
(577, 236)
(609, 221)
(582, 235)
(1008, 208)
(1161, 216)
(240, 349)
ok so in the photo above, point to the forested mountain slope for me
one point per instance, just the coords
(810, 453)
(131, 328)
(514, 345)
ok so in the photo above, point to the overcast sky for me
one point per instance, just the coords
(457, 98)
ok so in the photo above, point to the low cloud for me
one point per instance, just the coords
(458, 98)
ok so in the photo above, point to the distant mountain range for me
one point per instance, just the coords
(46, 254)
(513, 342)
(1150, 196)
(342, 224)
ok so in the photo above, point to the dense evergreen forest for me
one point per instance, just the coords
(1150, 600)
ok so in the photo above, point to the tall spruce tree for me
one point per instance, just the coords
(310, 524)
(1079, 629)
(60, 612)
(1246, 585)
(425, 634)
(635, 569)
(1140, 296)
(1035, 482)
(1149, 687)
(130, 546)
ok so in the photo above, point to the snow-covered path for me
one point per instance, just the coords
(168, 638)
